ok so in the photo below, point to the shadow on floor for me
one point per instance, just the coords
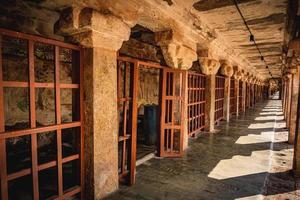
(230, 164)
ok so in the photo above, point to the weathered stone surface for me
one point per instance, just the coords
(176, 52)
(101, 143)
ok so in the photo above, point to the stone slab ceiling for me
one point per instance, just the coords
(266, 19)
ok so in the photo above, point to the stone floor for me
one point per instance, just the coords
(247, 158)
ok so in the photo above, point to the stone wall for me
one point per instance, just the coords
(148, 87)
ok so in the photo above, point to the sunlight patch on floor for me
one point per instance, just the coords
(265, 136)
(255, 197)
(268, 113)
(265, 125)
(242, 165)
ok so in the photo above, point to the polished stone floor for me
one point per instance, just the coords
(243, 160)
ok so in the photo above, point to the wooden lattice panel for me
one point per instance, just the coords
(219, 101)
(232, 97)
(196, 103)
(34, 167)
(240, 95)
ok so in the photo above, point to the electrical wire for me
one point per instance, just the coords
(252, 38)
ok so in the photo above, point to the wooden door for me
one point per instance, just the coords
(127, 117)
(172, 113)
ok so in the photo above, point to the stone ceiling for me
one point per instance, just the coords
(266, 19)
(212, 24)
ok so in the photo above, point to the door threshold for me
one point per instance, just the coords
(145, 159)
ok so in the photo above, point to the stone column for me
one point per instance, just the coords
(294, 104)
(237, 96)
(288, 102)
(227, 71)
(209, 67)
(244, 96)
(102, 36)
(295, 45)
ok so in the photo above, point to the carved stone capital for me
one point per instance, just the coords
(91, 28)
(176, 51)
(226, 69)
(209, 66)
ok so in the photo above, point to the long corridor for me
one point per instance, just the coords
(238, 162)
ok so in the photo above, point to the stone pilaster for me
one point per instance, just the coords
(244, 94)
(209, 67)
(237, 75)
(294, 104)
(288, 102)
(226, 70)
(102, 36)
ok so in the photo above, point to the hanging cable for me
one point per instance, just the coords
(252, 38)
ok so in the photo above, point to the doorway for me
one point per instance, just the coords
(150, 110)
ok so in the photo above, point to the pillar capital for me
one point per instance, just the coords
(209, 66)
(91, 28)
(179, 52)
(237, 74)
(225, 68)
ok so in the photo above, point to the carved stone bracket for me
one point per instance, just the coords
(209, 66)
(226, 69)
(177, 50)
(91, 28)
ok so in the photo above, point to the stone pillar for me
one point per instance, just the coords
(294, 104)
(102, 36)
(209, 67)
(244, 96)
(237, 76)
(295, 45)
(288, 102)
(253, 96)
(227, 71)
(237, 96)
(179, 53)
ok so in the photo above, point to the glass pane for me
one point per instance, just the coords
(176, 140)
(178, 84)
(71, 174)
(70, 105)
(44, 66)
(125, 155)
(18, 152)
(16, 108)
(48, 183)
(21, 188)
(167, 140)
(169, 84)
(124, 112)
(168, 111)
(70, 141)
(47, 147)
(69, 69)
(177, 112)
(15, 59)
(45, 106)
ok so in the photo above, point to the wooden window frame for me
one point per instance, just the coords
(33, 131)
(196, 103)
